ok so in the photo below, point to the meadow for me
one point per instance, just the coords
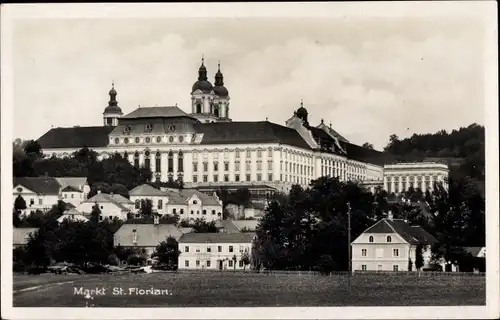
(227, 289)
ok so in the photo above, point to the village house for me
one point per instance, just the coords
(188, 204)
(389, 245)
(111, 206)
(73, 215)
(215, 251)
(145, 237)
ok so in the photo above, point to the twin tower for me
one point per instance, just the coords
(209, 103)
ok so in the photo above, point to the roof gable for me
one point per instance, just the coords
(71, 189)
(146, 190)
(217, 237)
(147, 235)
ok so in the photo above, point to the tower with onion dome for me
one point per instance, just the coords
(221, 97)
(112, 112)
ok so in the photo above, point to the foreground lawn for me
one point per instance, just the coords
(214, 289)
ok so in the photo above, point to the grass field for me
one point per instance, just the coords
(214, 289)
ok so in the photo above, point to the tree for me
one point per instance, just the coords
(410, 264)
(419, 259)
(16, 219)
(234, 258)
(146, 209)
(245, 258)
(19, 203)
(168, 252)
(36, 252)
(368, 145)
(201, 226)
(95, 215)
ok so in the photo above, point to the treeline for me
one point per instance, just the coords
(307, 229)
(463, 149)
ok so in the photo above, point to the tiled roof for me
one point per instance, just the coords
(228, 226)
(146, 190)
(72, 181)
(148, 235)
(73, 212)
(411, 234)
(156, 112)
(217, 238)
(40, 185)
(76, 137)
(250, 225)
(206, 200)
(365, 155)
(117, 199)
(332, 132)
(71, 189)
(20, 236)
(249, 132)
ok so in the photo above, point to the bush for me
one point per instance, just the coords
(113, 260)
(136, 260)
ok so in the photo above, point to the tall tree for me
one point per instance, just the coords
(168, 252)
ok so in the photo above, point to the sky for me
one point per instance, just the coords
(369, 78)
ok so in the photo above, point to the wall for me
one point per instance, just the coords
(386, 260)
(40, 202)
(203, 256)
(75, 198)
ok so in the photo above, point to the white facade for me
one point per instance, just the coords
(73, 197)
(399, 177)
(214, 256)
(110, 208)
(34, 201)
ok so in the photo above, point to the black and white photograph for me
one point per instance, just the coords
(261, 160)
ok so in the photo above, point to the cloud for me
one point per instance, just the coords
(369, 79)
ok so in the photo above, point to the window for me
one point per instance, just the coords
(363, 267)
(137, 140)
(270, 165)
(259, 165)
(237, 154)
(237, 166)
(186, 249)
(370, 239)
(158, 162)
(170, 162)
(237, 177)
(195, 179)
(186, 263)
(259, 177)
(160, 205)
(204, 211)
(208, 263)
(205, 166)
(174, 211)
(226, 166)
(180, 162)
(241, 263)
(226, 178)
(248, 177)
(230, 248)
(395, 267)
(230, 263)
(136, 159)
(40, 201)
(137, 204)
(209, 249)
(197, 249)
(197, 263)
(219, 248)
(259, 153)
(241, 248)
(182, 211)
(216, 178)
(363, 252)
(270, 177)
(389, 239)
(216, 166)
(205, 178)
(248, 153)
(195, 167)
(395, 252)
(147, 163)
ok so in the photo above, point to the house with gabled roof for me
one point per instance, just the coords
(188, 204)
(216, 251)
(39, 193)
(389, 245)
(111, 206)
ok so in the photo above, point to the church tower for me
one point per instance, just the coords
(221, 98)
(112, 112)
(202, 97)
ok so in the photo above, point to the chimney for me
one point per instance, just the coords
(389, 215)
(156, 219)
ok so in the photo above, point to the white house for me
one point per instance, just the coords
(111, 206)
(215, 251)
(72, 195)
(389, 245)
(145, 237)
(39, 193)
(188, 204)
(77, 183)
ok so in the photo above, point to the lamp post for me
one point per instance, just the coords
(349, 265)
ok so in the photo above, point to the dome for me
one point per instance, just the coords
(302, 113)
(221, 91)
(204, 85)
(112, 91)
(113, 109)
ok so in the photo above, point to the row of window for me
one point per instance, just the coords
(209, 263)
(388, 239)
(290, 155)
(394, 267)
(419, 185)
(412, 178)
(248, 166)
(237, 154)
(225, 178)
(174, 210)
(147, 161)
(295, 168)
(158, 139)
(219, 249)
(395, 252)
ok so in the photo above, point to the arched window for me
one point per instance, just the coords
(211, 107)
(180, 162)
(198, 108)
(158, 162)
(389, 239)
(370, 239)
(147, 159)
(170, 161)
(136, 159)
(216, 112)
